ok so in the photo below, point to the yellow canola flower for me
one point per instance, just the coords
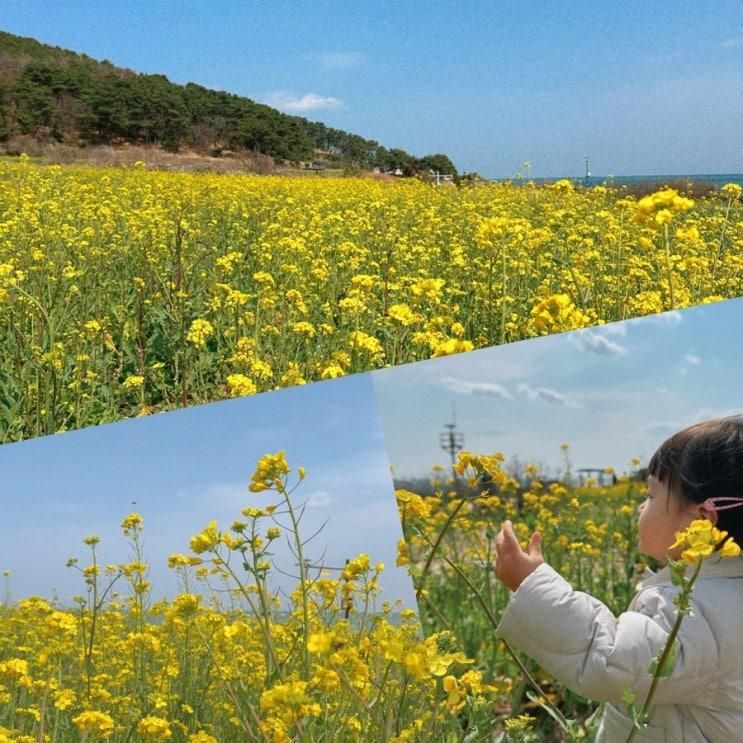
(733, 190)
(133, 382)
(199, 332)
(154, 728)
(206, 540)
(269, 472)
(239, 385)
(201, 737)
(94, 723)
(700, 539)
(556, 314)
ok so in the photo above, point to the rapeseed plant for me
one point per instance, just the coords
(124, 292)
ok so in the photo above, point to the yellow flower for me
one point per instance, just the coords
(133, 382)
(333, 371)
(94, 723)
(269, 471)
(201, 737)
(240, 385)
(402, 553)
(320, 642)
(154, 728)
(733, 190)
(700, 539)
(208, 539)
(199, 332)
(451, 687)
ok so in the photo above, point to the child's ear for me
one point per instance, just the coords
(708, 513)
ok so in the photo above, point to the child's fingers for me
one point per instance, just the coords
(506, 540)
(535, 545)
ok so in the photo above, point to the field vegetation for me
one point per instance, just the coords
(124, 291)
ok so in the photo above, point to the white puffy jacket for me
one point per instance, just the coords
(575, 638)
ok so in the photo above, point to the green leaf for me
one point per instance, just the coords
(628, 695)
(547, 708)
(677, 569)
(668, 663)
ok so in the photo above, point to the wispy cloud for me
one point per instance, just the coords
(292, 103)
(544, 393)
(340, 60)
(671, 319)
(487, 389)
(615, 328)
(588, 340)
(689, 360)
(705, 414)
(319, 499)
(732, 43)
(661, 428)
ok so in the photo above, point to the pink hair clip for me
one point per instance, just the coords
(709, 504)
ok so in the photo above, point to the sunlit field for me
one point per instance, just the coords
(230, 659)
(589, 536)
(124, 292)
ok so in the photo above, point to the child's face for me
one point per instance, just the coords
(661, 516)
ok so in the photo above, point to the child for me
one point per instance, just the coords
(697, 473)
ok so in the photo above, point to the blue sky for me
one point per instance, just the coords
(611, 393)
(187, 467)
(639, 87)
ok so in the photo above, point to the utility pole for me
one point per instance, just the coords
(588, 174)
(450, 440)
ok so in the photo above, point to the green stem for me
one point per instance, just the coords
(664, 655)
(435, 547)
(563, 722)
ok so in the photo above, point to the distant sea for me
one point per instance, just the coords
(716, 179)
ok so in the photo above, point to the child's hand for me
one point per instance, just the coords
(513, 564)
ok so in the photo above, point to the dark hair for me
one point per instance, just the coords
(705, 461)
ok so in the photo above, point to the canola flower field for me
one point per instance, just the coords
(589, 536)
(225, 660)
(124, 292)
(228, 660)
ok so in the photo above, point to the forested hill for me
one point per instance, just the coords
(46, 91)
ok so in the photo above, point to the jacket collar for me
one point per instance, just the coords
(712, 567)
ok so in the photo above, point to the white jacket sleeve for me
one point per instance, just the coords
(576, 639)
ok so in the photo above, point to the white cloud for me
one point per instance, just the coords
(286, 101)
(706, 414)
(340, 60)
(732, 42)
(487, 389)
(592, 342)
(615, 328)
(689, 360)
(319, 499)
(543, 393)
(661, 428)
(668, 319)
(624, 398)
(664, 429)
(672, 318)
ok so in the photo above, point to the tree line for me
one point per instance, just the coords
(50, 92)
